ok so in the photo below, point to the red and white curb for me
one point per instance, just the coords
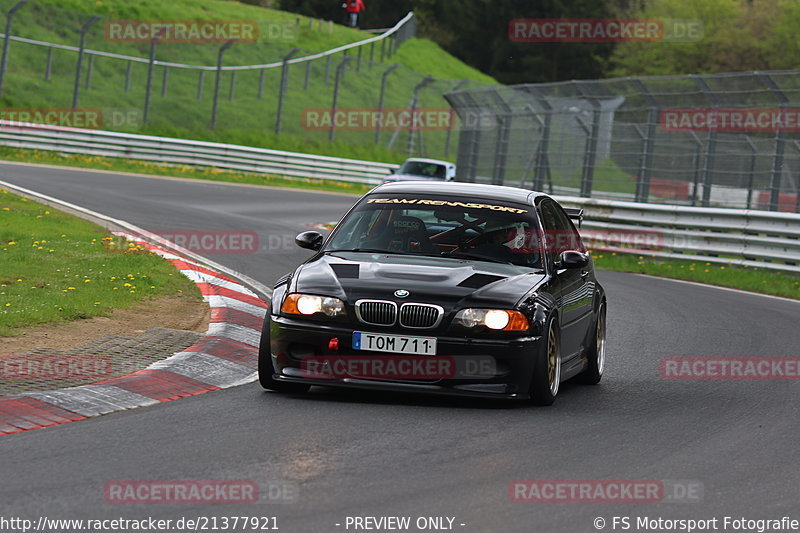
(226, 356)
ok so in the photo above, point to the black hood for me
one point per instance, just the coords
(449, 282)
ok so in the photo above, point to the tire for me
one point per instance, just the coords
(547, 368)
(266, 370)
(596, 353)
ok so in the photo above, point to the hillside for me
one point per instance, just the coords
(182, 108)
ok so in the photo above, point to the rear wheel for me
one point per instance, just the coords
(547, 369)
(596, 353)
(265, 369)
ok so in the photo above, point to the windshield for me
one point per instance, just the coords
(421, 168)
(449, 228)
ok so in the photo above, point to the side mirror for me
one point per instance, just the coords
(310, 240)
(572, 259)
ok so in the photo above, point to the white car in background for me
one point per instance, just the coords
(419, 169)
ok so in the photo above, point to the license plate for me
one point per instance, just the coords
(379, 342)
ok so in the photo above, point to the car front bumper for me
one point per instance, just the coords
(497, 368)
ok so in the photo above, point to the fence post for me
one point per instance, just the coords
(76, 89)
(217, 82)
(327, 69)
(261, 84)
(308, 75)
(414, 103)
(449, 134)
(752, 171)
(7, 41)
(89, 72)
(282, 88)
(149, 84)
(381, 100)
(711, 146)
(48, 69)
(648, 144)
(780, 142)
(504, 119)
(201, 78)
(358, 63)
(339, 74)
(232, 86)
(128, 74)
(164, 81)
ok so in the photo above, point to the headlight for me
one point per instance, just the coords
(497, 319)
(308, 304)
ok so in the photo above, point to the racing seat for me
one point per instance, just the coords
(404, 234)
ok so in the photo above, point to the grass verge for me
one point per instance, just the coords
(55, 267)
(758, 280)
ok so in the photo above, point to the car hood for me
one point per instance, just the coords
(449, 282)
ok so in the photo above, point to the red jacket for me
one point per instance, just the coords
(355, 6)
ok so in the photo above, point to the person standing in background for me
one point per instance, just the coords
(354, 8)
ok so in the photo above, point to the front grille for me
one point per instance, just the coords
(420, 316)
(377, 312)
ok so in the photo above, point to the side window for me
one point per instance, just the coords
(559, 231)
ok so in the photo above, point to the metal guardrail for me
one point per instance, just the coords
(758, 239)
(741, 237)
(188, 152)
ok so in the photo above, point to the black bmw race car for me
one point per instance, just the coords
(454, 288)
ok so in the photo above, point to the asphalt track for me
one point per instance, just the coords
(365, 454)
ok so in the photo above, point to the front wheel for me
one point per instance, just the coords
(596, 353)
(547, 368)
(265, 369)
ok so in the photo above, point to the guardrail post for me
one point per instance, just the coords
(128, 73)
(76, 89)
(381, 100)
(201, 78)
(48, 69)
(164, 81)
(282, 88)
(7, 40)
(149, 84)
(339, 74)
(217, 82)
